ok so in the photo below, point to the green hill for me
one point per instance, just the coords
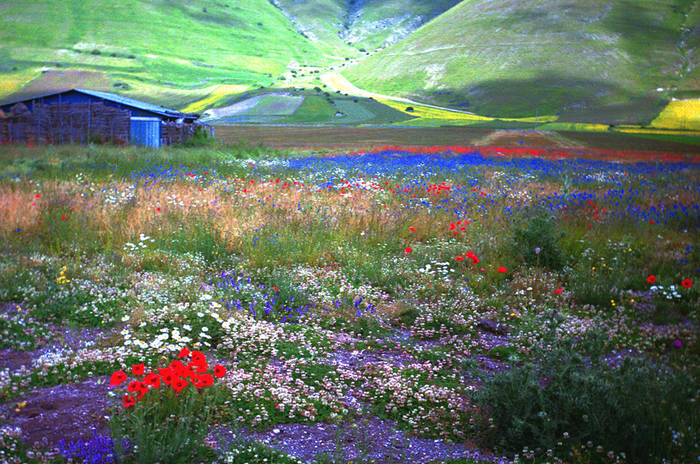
(164, 51)
(364, 24)
(589, 60)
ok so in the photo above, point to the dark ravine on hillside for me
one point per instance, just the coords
(363, 24)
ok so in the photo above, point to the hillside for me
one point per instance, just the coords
(600, 61)
(364, 24)
(165, 51)
(593, 60)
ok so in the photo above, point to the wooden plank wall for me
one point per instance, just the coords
(65, 123)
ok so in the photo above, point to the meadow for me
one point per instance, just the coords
(230, 303)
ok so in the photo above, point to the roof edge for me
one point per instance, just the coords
(114, 98)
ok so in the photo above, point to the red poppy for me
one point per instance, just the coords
(153, 380)
(200, 368)
(460, 258)
(177, 367)
(167, 375)
(138, 369)
(412, 229)
(134, 385)
(275, 288)
(37, 196)
(206, 380)
(651, 279)
(219, 371)
(408, 250)
(558, 291)
(63, 218)
(452, 226)
(183, 353)
(687, 283)
(128, 401)
(141, 391)
(198, 357)
(187, 372)
(502, 270)
(178, 384)
(117, 378)
(475, 260)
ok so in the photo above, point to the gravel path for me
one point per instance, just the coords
(369, 437)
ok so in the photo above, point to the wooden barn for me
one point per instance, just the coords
(82, 116)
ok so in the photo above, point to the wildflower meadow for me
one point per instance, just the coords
(234, 304)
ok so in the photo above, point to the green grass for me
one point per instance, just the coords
(687, 139)
(506, 59)
(366, 111)
(167, 46)
(314, 109)
(330, 109)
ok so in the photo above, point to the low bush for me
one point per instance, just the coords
(575, 391)
(537, 242)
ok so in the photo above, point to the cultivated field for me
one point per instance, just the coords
(572, 143)
(235, 304)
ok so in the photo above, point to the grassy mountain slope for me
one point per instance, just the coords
(156, 50)
(690, 50)
(366, 24)
(590, 60)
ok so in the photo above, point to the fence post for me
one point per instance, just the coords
(87, 136)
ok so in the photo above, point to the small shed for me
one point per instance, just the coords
(82, 116)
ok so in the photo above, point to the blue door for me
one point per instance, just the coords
(145, 131)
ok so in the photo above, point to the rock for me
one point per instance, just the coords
(493, 326)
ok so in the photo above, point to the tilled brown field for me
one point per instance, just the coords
(366, 138)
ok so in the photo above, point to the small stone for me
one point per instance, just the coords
(493, 326)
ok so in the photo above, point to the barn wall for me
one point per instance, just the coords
(65, 123)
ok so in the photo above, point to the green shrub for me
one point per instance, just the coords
(636, 407)
(598, 274)
(537, 243)
(200, 138)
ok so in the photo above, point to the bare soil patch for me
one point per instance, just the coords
(63, 412)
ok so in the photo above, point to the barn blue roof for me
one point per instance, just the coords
(113, 97)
